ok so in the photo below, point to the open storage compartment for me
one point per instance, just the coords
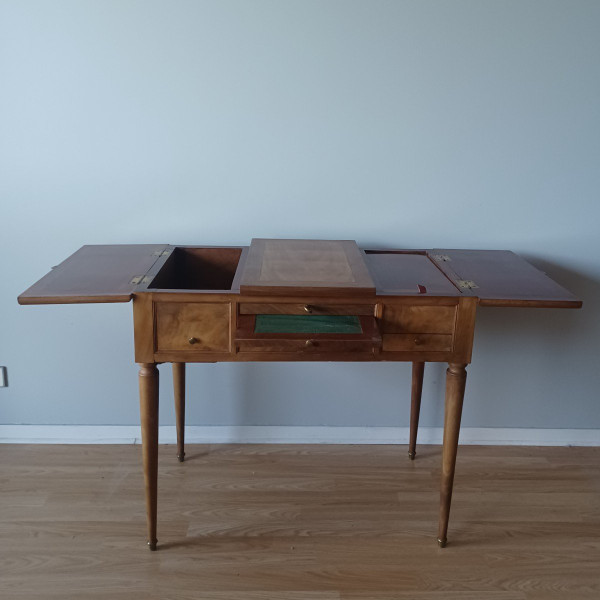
(189, 268)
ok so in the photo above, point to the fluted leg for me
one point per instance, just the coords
(179, 391)
(148, 378)
(418, 369)
(456, 377)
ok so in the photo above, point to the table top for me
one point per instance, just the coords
(114, 273)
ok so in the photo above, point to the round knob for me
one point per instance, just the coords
(308, 308)
(310, 344)
(193, 340)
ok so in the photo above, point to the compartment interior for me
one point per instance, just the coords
(198, 269)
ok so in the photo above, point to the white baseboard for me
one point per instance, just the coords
(254, 434)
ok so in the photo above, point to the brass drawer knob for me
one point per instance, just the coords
(193, 340)
(308, 308)
(310, 344)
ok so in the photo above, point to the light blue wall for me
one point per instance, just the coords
(400, 124)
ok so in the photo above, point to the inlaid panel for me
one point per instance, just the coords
(322, 267)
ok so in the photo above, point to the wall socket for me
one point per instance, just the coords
(3, 377)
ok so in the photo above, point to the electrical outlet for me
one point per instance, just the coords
(3, 377)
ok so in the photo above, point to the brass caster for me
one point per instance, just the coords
(152, 546)
(180, 457)
(442, 543)
(411, 455)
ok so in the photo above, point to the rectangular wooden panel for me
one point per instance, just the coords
(315, 267)
(95, 274)
(418, 319)
(200, 326)
(502, 278)
(465, 330)
(297, 308)
(402, 272)
(403, 342)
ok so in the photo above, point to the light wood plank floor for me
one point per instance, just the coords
(297, 522)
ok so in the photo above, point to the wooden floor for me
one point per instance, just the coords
(297, 522)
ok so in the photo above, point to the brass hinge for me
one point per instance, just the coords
(140, 279)
(160, 252)
(441, 257)
(466, 284)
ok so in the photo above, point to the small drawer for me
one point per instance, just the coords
(297, 308)
(400, 318)
(198, 326)
(411, 342)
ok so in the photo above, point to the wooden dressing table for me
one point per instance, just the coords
(299, 300)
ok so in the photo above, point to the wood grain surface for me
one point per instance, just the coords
(321, 267)
(204, 326)
(405, 272)
(399, 318)
(299, 522)
(95, 274)
(503, 278)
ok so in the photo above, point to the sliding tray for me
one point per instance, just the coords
(310, 334)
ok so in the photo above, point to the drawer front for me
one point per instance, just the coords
(297, 308)
(305, 346)
(416, 342)
(202, 327)
(418, 319)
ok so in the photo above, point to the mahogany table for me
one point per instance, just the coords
(299, 300)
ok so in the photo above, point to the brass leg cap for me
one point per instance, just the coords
(411, 455)
(442, 543)
(180, 457)
(152, 545)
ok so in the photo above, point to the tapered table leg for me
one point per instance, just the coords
(418, 368)
(179, 392)
(456, 377)
(148, 379)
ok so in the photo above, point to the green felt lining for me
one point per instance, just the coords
(307, 324)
